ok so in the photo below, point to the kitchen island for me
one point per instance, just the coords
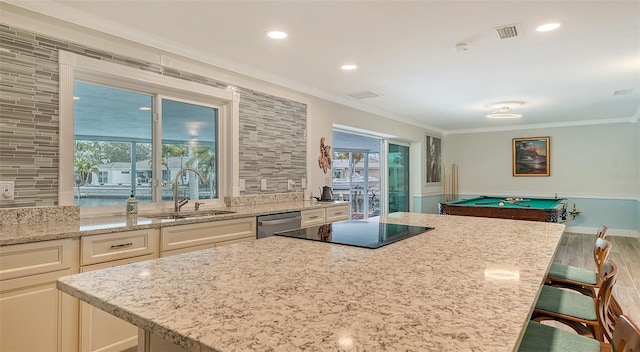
(468, 285)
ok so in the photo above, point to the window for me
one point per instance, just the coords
(189, 137)
(135, 130)
(113, 131)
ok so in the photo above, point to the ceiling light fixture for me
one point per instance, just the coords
(548, 27)
(502, 109)
(76, 98)
(277, 35)
(144, 108)
(349, 67)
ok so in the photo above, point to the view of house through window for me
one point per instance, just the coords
(113, 153)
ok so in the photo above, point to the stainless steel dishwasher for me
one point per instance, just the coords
(270, 224)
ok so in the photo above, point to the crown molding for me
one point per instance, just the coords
(545, 125)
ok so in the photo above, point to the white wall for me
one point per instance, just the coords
(598, 161)
(595, 166)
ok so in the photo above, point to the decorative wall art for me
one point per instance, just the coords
(531, 156)
(434, 159)
(324, 160)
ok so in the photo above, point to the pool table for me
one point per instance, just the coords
(533, 209)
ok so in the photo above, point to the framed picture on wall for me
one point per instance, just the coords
(433, 159)
(531, 156)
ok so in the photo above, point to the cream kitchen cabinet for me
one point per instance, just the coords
(312, 217)
(100, 331)
(333, 214)
(190, 237)
(35, 315)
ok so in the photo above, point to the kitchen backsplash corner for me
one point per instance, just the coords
(263, 199)
(27, 215)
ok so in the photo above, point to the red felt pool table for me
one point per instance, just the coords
(533, 209)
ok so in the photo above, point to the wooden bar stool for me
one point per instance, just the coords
(544, 338)
(585, 315)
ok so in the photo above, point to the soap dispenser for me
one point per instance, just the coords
(132, 206)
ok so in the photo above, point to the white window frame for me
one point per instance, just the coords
(73, 66)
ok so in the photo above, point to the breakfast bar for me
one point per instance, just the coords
(467, 285)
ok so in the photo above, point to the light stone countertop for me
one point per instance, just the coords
(86, 226)
(468, 285)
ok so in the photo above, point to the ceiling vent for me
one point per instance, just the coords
(364, 95)
(622, 92)
(509, 31)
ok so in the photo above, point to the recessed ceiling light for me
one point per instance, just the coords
(145, 108)
(277, 35)
(348, 67)
(548, 27)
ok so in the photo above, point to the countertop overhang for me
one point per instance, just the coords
(468, 285)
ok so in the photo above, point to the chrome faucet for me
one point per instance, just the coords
(177, 205)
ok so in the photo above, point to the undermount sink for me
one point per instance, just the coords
(187, 215)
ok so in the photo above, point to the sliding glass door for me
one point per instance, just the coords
(356, 178)
(398, 178)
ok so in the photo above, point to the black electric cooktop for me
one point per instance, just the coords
(357, 233)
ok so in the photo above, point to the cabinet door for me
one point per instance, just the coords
(198, 234)
(334, 214)
(101, 331)
(36, 316)
(312, 217)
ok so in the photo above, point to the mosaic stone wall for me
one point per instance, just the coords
(272, 129)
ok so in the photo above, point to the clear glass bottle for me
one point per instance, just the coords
(132, 206)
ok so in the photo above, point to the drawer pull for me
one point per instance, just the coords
(314, 217)
(115, 246)
(340, 213)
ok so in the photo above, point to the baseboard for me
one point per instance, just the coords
(610, 231)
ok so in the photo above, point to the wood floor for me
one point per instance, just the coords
(577, 250)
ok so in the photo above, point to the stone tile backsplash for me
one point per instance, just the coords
(272, 129)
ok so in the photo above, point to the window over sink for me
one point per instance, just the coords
(133, 130)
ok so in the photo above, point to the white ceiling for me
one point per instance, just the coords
(405, 52)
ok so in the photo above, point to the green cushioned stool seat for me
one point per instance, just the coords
(567, 302)
(572, 273)
(544, 338)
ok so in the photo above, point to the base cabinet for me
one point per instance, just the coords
(191, 237)
(35, 316)
(101, 331)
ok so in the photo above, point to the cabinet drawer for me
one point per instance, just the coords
(120, 245)
(312, 217)
(337, 213)
(191, 235)
(37, 258)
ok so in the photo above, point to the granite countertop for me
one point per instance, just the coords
(85, 226)
(468, 285)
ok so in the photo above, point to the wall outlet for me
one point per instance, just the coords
(303, 183)
(241, 184)
(290, 185)
(263, 184)
(6, 190)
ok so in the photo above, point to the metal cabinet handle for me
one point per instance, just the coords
(314, 217)
(114, 246)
